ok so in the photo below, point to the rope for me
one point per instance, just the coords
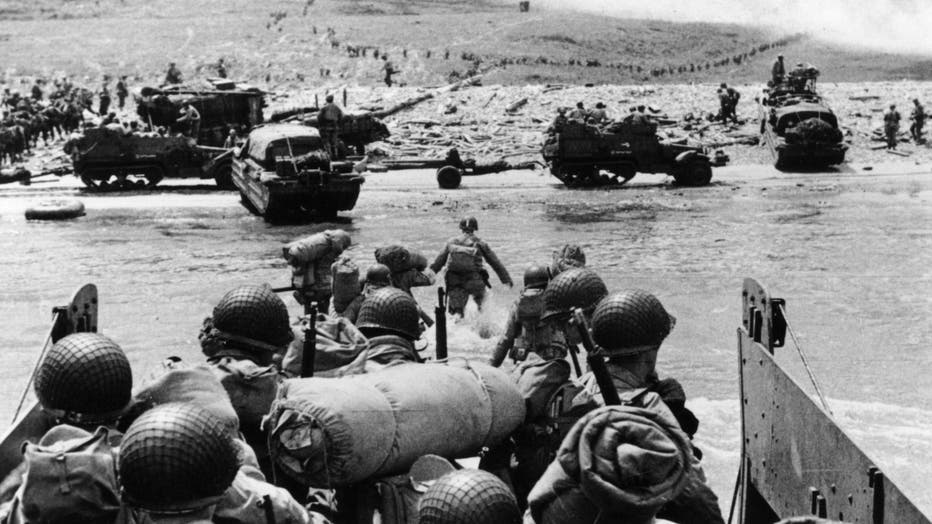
(802, 356)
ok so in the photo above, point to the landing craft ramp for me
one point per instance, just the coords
(795, 459)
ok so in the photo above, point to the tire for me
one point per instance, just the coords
(694, 174)
(59, 209)
(223, 176)
(449, 177)
(622, 173)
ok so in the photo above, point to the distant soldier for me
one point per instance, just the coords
(329, 119)
(37, 91)
(728, 100)
(191, 119)
(121, 92)
(558, 122)
(389, 70)
(104, 96)
(891, 125)
(918, 118)
(231, 140)
(598, 115)
(778, 71)
(221, 68)
(465, 276)
(173, 75)
(579, 114)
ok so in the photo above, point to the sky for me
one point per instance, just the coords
(901, 26)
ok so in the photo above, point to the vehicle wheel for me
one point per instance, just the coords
(694, 174)
(223, 176)
(449, 177)
(622, 173)
(154, 175)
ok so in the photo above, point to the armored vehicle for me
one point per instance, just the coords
(579, 153)
(109, 158)
(797, 124)
(283, 170)
(222, 104)
(356, 129)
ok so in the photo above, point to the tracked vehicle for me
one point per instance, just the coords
(583, 155)
(797, 124)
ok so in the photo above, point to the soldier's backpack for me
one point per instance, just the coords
(70, 477)
(346, 287)
(400, 259)
(530, 308)
(464, 259)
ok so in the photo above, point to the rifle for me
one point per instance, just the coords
(595, 361)
(310, 340)
(441, 333)
(284, 288)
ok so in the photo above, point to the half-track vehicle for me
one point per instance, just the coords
(797, 124)
(109, 158)
(584, 155)
(283, 171)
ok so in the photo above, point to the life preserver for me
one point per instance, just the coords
(58, 209)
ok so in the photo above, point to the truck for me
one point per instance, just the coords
(283, 171)
(797, 124)
(584, 155)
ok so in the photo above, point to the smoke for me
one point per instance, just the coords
(885, 25)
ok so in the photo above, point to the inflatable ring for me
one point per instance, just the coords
(59, 209)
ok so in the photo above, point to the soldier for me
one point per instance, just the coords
(249, 322)
(377, 277)
(891, 126)
(598, 115)
(630, 328)
(778, 71)
(104, 97)
(567, 257)
(329, 119)
(728, 100)
(221, 68)
(579, 114)
(465, 276)
(524, 332)
(389, 318)
(173, 75)
(191, 119)
(122, 92)
(468, 496)
(558, 122)
(389, 70)
(310, 259)
(918, 118)
(231, 140)
(37, 90)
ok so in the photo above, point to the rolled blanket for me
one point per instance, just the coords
(617, 464)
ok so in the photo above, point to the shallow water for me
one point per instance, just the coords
(849, 253)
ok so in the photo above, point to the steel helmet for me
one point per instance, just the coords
(251, 318)
(392, 310)
(469, 224)
(536, 277)
(379, 274)
(573, 288)
(468, 496)
(630, 322)
(176, 458)
(340, 238)
(85, 379)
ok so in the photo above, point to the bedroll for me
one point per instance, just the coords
(400, 259)
(327, 433)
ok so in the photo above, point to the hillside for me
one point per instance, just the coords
(285, 44)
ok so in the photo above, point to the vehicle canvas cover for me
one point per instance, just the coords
(791, 115)
(270, 143)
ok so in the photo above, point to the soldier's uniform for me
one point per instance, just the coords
(328, 122)
(891, 126)
(465, 276)
(525, 332)
(173, 75)
(377, 277)
(191, 118)
(122, 92)
(918, 118)
(104, 97)
(389, 318)
(778, 71)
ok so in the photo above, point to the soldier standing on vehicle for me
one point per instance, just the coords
(173, 75)
(558, 122)
(579, 114)
(598, 115)
(231, 140)
(310, 259)
(918, 118)
(329, 119)
(778, 71)
(891, 126)
(191, 119)
(389, 70)
(122, 92)
(221, 68)
(465, 276)
(104, 97)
